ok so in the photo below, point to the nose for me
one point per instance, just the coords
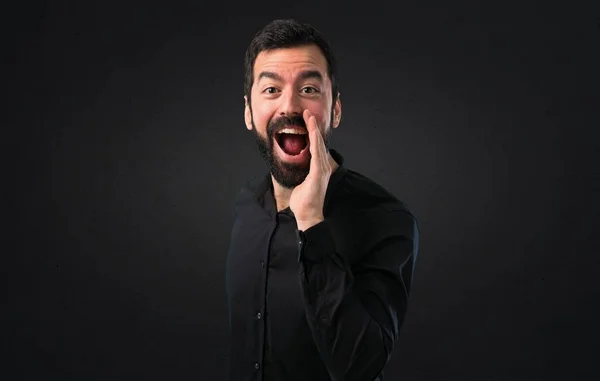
(291, 103)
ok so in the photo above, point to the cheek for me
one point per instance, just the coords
(324, 118)
(260, 117)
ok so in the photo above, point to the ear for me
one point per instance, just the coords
(337, 112)
(247, 113)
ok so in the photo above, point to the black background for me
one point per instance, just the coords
(126, 145)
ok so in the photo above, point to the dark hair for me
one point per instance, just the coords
(287, 34)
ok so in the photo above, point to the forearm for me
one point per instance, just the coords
(354, 320)
(352, 344)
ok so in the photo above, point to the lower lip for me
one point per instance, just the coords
(299, 158)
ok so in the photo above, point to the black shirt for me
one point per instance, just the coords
(324, 304)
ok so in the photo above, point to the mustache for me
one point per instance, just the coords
(282, 122)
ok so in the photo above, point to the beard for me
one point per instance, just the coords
(288, 175)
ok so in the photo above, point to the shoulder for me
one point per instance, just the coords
(249, 189)
(366, 194)
(375, 205)
(365, 215)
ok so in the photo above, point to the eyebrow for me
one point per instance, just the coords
(307, 74)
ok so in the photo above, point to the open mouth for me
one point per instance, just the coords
(292, 141)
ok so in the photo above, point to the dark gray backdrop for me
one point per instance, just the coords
(127, 143)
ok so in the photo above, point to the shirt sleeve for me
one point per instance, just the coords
(355, 313)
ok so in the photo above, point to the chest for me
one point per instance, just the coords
(263, 253)
(260, 252)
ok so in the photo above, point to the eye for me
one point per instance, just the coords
(310, 90)
(270, 90)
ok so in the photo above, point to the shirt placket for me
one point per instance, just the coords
(260, 316)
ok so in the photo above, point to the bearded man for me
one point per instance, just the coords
(321, 258)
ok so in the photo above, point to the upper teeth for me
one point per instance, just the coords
(292, 131)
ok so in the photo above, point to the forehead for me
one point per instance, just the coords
(289, 61)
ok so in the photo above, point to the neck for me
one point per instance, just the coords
(283, 194)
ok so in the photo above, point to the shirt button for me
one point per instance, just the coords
(258, 315)
(262, 264)
(257, 366)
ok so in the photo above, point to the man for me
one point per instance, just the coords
(321, 258)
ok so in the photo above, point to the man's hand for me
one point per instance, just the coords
(307, 199)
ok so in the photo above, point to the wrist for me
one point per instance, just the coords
(306, 224)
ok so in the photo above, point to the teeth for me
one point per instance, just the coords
(292, 131)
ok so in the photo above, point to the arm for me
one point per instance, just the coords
(355, 316)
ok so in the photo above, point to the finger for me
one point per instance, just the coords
(319, 163)
(313, 132)
(310, 120)
(319, 149)
(315, 139)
